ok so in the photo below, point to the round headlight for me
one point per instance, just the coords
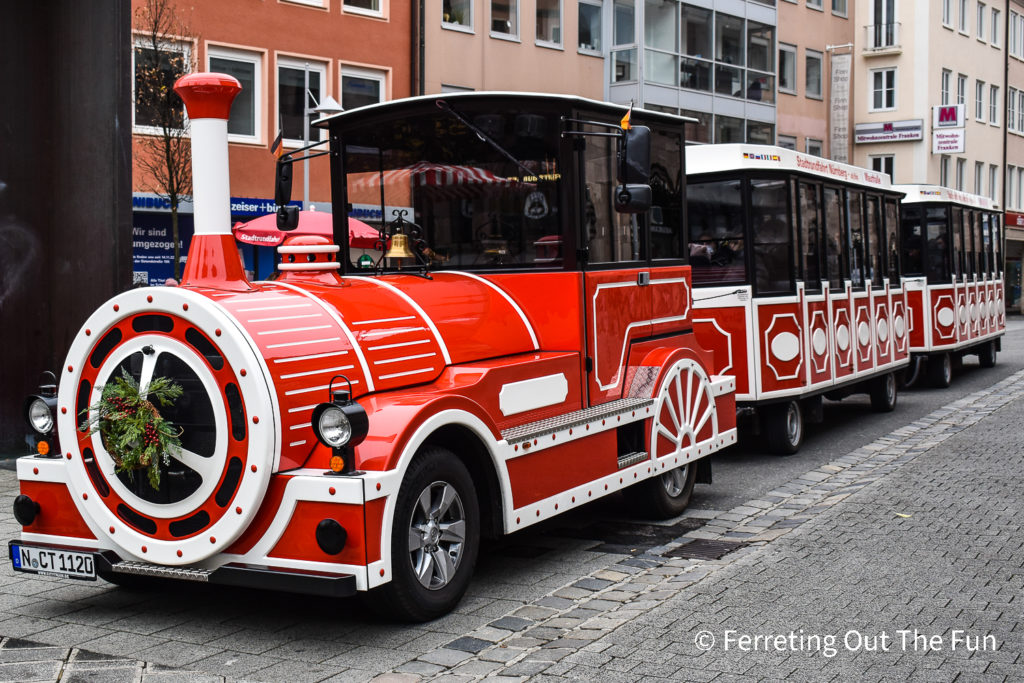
(40, 417)
(333, 427)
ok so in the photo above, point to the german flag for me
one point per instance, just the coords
(624, 123)
(277, 147)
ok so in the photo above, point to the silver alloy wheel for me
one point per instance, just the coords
(674, 481)
(793, 425)
(437, 535)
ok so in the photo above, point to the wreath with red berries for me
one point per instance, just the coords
(134, 433)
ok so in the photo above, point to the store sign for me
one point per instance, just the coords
(949, 116)
(840, 105)
(1014, 220)
(889, 131)
(949, 141)
(153, 246)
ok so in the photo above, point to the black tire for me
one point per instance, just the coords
(940, 370)
(783, 427)
(436, 472)
(883, 393)
(987, 355)
(668, 494)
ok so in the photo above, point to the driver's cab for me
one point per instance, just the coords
(575, 213)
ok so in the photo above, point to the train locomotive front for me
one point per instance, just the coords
(346, 432)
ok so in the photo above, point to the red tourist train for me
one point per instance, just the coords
(797, 287)
(524, 346)
(952, 261)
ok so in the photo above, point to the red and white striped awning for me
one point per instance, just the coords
(448, 179)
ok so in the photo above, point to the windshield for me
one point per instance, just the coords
(479, 196)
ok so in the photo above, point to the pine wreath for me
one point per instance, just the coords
(134, 433)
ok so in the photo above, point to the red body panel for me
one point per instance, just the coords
(58, 515)
(723, 330)
(537, 476)
(781, 346)
(298, 542)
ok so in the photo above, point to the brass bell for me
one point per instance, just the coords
(399, 247)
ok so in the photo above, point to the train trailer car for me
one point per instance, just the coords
(524, 347)
(953, 266)
(795, 263)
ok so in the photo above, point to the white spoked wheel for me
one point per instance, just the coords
(682, 413)
(684, 416)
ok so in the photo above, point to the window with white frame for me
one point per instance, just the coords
(993, 181)
(371, 7)
(549, 22)
(1011, 198)
(979, 100)
(813, 60)
(947, 76)
(1016, 46)
(963, 16)
(155, 72)
(787, 68)
(293, 99)
(505, 18)
(311, 3)
(839, 7)
(947, 12)
(961, 89)
(361, 86)
(814, 147)
(993, 105)
(814, 4)
(1020, 111)
(961, 165)
(981, 21)
(944, 171)
(244, 124)
(590, 27)
(1011, 109)
(457, 14)
(979, 176)
(994, 39)
(883, 163)
(883, 89)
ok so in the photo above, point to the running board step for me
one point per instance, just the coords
(551, 425)
(630, 459)
(145, 569)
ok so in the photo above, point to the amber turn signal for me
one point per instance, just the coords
(337, 463)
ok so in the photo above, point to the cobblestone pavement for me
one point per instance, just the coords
(918, 530)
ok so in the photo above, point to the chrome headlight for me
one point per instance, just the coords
(331, 426)
(39, 414)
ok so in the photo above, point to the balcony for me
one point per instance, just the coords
(882, 39)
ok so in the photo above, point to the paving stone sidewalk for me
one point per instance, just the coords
(901, 560)
(918, 529)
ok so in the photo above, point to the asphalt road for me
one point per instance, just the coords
(745, 472)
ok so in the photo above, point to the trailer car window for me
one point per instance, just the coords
(938, 253)
(891, 228)
(913, 241)
(810, 235)
(958, 241)
(875, 234)
(855, 211)
(769, 211)
(715, 211)
(834, 237)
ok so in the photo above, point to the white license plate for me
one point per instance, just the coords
(53, 562)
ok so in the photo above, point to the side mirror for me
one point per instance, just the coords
(287, 217)
(635, 156)
(632, 198)
(283, 183)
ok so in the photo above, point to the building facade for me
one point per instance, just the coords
(930, 92)
(1014, 184)
(355, 51)
(713, 60)
(815, 78)
(554, 46)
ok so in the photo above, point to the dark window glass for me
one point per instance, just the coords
(937, 254)
(957, 225)
(969, 251)
(986, 242)
(980, 262)
(666, 214)
(769, 211)
(466, 204)
(242, 120)
(876, 246)
(715, 211)
(913, 241)
(156, 103)
(997, 245)
(891, 228)
(610, 236)
(856, 256)
(290, 84)
(810, 235)
(834, 237)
